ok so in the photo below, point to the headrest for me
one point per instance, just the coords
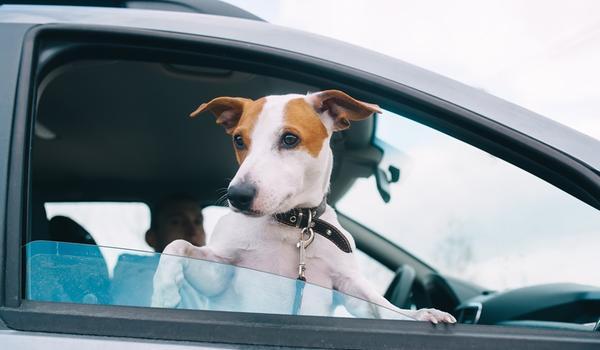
(64, 229)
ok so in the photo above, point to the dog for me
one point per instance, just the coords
(280, 222)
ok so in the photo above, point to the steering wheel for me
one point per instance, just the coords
(398, 293)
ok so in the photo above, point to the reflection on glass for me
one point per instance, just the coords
(77, 273)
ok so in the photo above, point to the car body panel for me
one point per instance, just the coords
(31, 340)
(577, 145)
(11, 37)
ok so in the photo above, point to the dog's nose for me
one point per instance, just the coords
(241, 196)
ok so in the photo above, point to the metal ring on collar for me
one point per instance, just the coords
(310, 216)
(310, 238)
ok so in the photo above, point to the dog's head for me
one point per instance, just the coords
(282, 146)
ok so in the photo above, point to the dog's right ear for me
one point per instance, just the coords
(228, 110)
(342, 108)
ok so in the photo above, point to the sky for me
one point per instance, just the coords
(542, 55)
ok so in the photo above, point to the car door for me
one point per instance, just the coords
(45, 47)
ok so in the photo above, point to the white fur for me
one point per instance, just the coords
(284, 179)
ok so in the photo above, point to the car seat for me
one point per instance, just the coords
(64, 229)
(64, 264)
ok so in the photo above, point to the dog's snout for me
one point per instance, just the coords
(241, 196)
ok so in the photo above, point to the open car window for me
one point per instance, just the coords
(77, 273)
(128, 138)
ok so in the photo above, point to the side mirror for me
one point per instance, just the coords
(383, 181)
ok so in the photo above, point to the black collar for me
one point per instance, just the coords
(299, 217)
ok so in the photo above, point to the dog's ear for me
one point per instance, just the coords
(342, 108)
(228, 110)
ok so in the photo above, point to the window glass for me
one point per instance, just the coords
(474, 216)
(77, 273)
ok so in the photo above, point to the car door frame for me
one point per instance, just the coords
(47, 46)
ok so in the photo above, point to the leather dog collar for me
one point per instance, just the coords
(299, 217)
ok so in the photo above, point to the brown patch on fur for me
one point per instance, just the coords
(246, 125)
(300, 116)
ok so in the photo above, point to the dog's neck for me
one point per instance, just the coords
(309, 221)
(302, 216)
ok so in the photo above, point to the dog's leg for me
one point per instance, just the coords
(204, 269)
(362, 300)
(169, 277)
(360, 288)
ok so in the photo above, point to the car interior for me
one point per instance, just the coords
(142, 146)
(119, 131)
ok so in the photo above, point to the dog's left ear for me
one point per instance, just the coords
(342, 108)
(228, 110)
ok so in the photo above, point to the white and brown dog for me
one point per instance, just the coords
(277, 197)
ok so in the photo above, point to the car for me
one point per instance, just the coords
(457, 199)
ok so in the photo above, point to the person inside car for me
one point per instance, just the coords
(174, 217)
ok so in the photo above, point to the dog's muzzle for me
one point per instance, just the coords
(241, 196)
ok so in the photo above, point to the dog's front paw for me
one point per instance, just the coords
(167, 283)
(433, 315)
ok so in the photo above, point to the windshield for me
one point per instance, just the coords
(78, 273)
(474, 216)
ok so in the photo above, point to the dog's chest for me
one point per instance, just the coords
(275, 251)
(268, 246)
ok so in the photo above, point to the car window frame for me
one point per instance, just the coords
(12, 38)
(242, 328)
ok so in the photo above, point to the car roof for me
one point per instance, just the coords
(577, 145)
(211, 7)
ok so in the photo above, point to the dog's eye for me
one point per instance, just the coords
(289, 140)
(238, 141)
